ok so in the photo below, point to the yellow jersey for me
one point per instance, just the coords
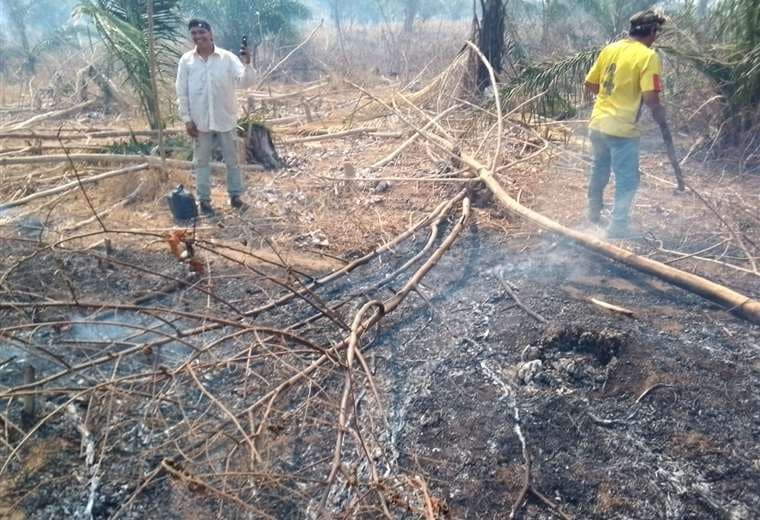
(623, 71)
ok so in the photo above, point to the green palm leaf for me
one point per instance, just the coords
(123, 27)
(561, 83)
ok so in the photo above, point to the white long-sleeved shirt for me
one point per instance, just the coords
(206, 89)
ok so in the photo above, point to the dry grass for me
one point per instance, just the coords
(378, 53)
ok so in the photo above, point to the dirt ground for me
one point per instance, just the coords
(647, 414)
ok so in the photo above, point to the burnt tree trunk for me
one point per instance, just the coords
(259, 147)
(491, 38)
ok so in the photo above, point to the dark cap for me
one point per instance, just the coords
(644, 20)
(203, 24)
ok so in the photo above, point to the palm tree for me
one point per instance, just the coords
(123, 27)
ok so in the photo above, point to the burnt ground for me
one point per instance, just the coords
(452, 369)
(690, 450)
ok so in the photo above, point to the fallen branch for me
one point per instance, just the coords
(55, 114)
(697, 253)
(335, 135)
(88, 447)
(267, 96)
(652, 389)
(611, 307)
(398, 151)
(73, 185)
(730, 228)
(268, 73)
(389, 305)
(123, 202)
(114, 158)
(733, 301)
(536, 316)
(205, 391)
(527, 486)
(701, 258)
(192, 482)
(69, 134)
(429, 510)
(353, 348)
(218, 323)
(468, 180)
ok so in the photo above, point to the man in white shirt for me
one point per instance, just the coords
(207, 77)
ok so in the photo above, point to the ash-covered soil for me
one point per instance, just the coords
(687, 449)
(456, 368)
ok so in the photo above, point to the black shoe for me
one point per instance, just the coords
(237, 203)
(206, 209)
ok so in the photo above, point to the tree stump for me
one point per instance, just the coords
(260, 147)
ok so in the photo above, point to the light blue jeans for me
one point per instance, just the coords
(202, 146)
(621, 156)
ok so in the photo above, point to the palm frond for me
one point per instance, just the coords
(738, 21)
(561, 83)
(731, 59)
(122, 24)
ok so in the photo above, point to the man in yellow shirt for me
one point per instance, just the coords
(625, 73)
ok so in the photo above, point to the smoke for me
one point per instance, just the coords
(36, 20)
(388, 11)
